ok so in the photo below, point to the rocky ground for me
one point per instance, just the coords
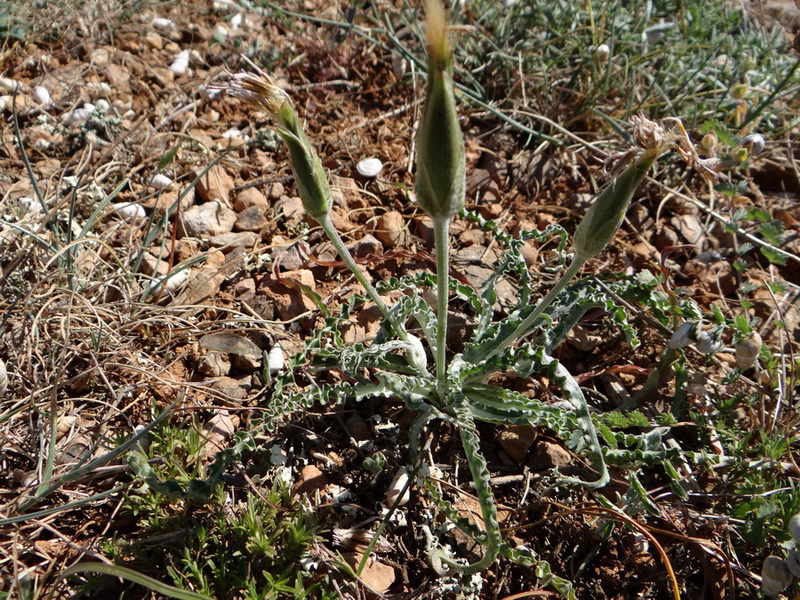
(145, 217)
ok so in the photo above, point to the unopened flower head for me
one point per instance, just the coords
(441, 158)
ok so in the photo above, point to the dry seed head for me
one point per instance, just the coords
(650, 136)
(258, 91)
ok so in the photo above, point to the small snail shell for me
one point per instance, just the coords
(683, 336)
(747, 351)
(775, 575)
(793, 562)
(369, 167)
(275, 359)
(602, 53)
(3, 376)
(398, 486)
(794, 527)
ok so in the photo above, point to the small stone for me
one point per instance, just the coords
(367, 245)
(215, 184)
(246, 364)
(228, 241)
(154, 41)
(311, 480)
(206, 220)
(471, 237)
(515, 440)
(376, 575)
(289, 301)
(425, 231)
(251, 219)
(292, 258)
(292, 210)
(275, 190)
(214, 364)
(244, 289)
(153, 266)
(358, 428)
(391, 229)
(250, 197)
(230, 387)
(548, 455)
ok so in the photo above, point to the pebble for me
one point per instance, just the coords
(251, 219)
(391, 229)
(206, 220)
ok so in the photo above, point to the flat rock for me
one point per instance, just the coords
(376, 575)
(214, 364)
(311, 480)
(251, 218)
(229, 241)
(515, 440)
(367, 245)
(288, 300)
(206, 220)
(548, 455)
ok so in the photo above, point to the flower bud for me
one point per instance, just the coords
(709, 144)
(441, 158)
(739, 91)
(606, 214)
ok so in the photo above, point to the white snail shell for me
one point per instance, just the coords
(683, 336)
(747, 351)
(794, 527)
(793, 562)
(399, 483)
(369, 167)
(707, 343)
(775, 575)
(275, 359)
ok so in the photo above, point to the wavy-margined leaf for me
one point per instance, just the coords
(416, 392)
(506, 407)
(354, 359)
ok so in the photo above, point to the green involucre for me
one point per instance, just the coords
(312, 182)
(606, 214)
(441, 159)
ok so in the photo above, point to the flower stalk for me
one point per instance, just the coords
(260, 91)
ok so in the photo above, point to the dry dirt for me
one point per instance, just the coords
(109, 355)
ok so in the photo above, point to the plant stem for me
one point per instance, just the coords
(568, 275)
(441, 228)
(344, 253)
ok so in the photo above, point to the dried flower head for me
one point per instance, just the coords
(257, 90)
(649, 135)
